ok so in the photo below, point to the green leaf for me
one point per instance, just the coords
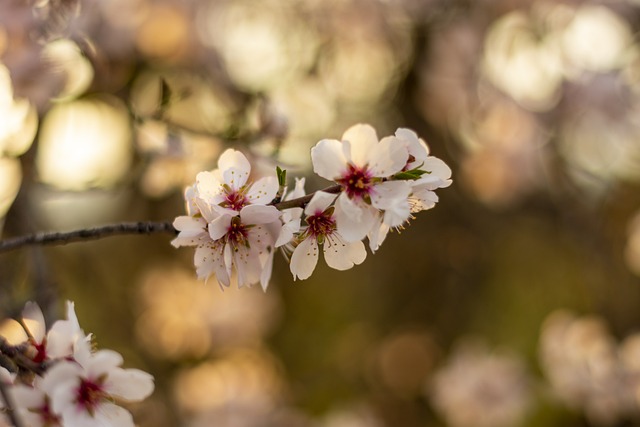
(282, 176)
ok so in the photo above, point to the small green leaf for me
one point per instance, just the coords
(282, 176)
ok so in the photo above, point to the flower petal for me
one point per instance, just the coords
(263, 190)
(193, 231)
(209, 188)
(129, 384)
(343, 256)
(362, 139)
(393, 198)
(319, 203)
(259, 214)
(388, 157)
(219, 227)
(328, 159)
(235, 168)
(354, 220)
(438, 168)
(33, 320)
(304, 259)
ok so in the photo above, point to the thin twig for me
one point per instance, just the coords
(87, 234)
(301, 202)
(61, 238)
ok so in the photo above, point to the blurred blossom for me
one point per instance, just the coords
(84, 144)
(505, 159)
(164, 32)
(596, 39)
(359, 71)
(19, 119)
(523, 63)
(357, 415)
(184, 318)
(195, 104)
(632, 249)
(447, 72)
(263, 45)
(65, 57)
(478, 388)
(585, 368)
(12, 331)
(607, 148)
(404, 360)
(10, 179)
(173, 157)
(238, 381)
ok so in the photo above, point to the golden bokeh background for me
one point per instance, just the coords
(515, 302)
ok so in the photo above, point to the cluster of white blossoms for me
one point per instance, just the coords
(60, 381)
(236, 224)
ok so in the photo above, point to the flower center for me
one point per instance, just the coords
(321, 224)
(47, 417)
(356, 182)
(237, 234)
(89, 395)
(235, 200)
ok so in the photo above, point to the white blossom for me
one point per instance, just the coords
(83, 391)
(361, 163)
(321, 230)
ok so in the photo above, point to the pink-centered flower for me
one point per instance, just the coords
(228, 186)
(322, 231)
(230, 223)
(82, 392)
(59, 341)
(361, 164)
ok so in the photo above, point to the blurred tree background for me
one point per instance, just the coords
(515, 302)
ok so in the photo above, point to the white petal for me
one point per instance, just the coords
(129, 384)
(235, 168)
(259, 214)
(328, 159)
(416, 147)
(208, 188)
(34, 321)
(28, 397)
(63, 376)
(110, 415)
(354, 220)
(287, 232)
(388, 157)
(208, 261)
(362, 139)
(392, 197)
(437, 167)
(342, 256)
(298, 191)
(377, 235)
(267, 269)
(102, 362)
(304, 259)
(219, 227)
(192, 231)
(423, 200)
(319, 203)
(263, 191)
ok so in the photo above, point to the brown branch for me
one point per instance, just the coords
(57, 238)
(61, 238)
(301, 202)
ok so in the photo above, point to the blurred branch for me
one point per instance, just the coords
(56, 238)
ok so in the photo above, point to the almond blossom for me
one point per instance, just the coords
(59, 341)
(361, 164)
(322, 231)
(82, 391)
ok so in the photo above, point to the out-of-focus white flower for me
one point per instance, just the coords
(360, 163)
(322, 230)
(481, 389)
(33, 406)
(82, 391)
